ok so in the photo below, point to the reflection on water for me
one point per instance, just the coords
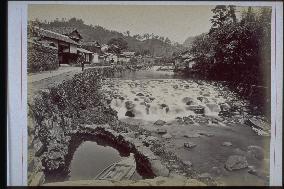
(90, 159)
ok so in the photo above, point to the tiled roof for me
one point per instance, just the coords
(84, 50)
(92, 43)
(45, 44)
(64, 30)
(54, 35)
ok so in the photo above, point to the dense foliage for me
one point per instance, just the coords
(236, 50)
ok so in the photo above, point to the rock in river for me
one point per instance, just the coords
(129, 114)
(236, 162)
(129, 105)
(190, 135)
(160, 122)
(139, 94)
(161, 131)
(167, 136)
(187, 100)
(189, 145)
(227, 144)
(256, 152)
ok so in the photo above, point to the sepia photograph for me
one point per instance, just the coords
(148, 95)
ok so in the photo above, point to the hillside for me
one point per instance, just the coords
(152, 46)
(188, 41)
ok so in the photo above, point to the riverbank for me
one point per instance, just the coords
(258, 96)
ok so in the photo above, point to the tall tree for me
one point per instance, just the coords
(219, 18)
(167, 40)
(146, 36)
(128, 33)
(232, 13)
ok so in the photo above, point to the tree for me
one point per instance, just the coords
(162, 38)
(128, 33)
(136, 36)
(117, 44)
(146, 36)
(219, 18)
(250, 16)
(232, 13)
(167, 41)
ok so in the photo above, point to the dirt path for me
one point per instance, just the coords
(35, 86)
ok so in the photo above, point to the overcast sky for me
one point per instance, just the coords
(175, 21)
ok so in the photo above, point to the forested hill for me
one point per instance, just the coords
(188, 41)
(145, 44)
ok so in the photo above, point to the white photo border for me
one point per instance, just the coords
(17, 137)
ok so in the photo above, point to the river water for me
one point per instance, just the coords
(90, 159)
(160, 95)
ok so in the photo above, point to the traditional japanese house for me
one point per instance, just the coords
(67, 41)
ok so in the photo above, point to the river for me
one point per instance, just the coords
(160, 95)
(154, 95)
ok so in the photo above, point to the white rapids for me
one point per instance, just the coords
(162, 98)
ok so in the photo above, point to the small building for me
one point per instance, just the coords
(67, 42)
(110, 57)
(87, 55)
(126, 56)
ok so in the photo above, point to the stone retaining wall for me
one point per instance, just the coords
(41, 57)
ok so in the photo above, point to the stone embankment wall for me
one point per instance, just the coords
(59, 113)
(41, 57)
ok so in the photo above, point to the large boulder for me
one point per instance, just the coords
(225, 107)
(202, 99)
(161, 131)
(129, 114)
(189, 145)
(139, 94)
(256, 152)
(129, 105)
(188, 100)
(188, 120)
(227, 144)
(160, 122)
(236, 162)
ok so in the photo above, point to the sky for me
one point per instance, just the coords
(177, 22)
